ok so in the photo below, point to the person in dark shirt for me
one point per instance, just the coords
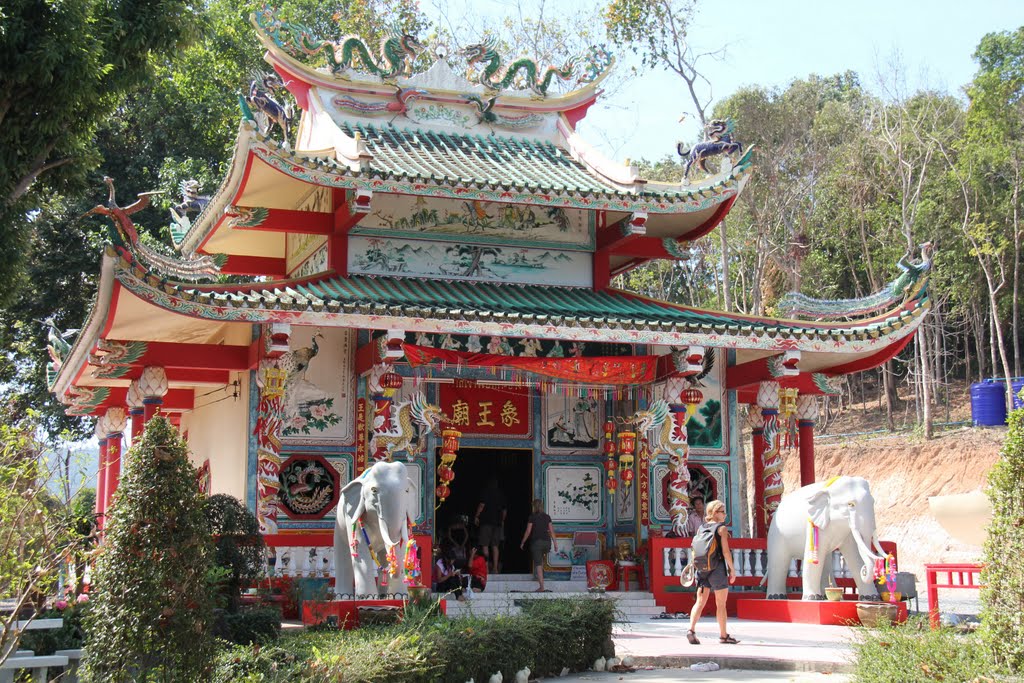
(490, 518)
(541, 534)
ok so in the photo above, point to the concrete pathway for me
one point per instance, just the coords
(666, 675)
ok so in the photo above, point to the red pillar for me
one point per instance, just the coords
(806, 451)
(116, 420)
(101, 478)
(136, 409)
(760, 529)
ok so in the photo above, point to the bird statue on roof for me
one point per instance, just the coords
(57, 343)
(125, 233)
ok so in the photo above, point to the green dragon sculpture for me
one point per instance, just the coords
(396, 51)
(494, 77)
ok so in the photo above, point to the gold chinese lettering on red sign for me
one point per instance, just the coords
(487, 409)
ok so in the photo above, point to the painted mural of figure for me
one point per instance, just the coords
(576, 350)
(584, 415)
(473, 344)
(494, 345)
(530, 347)
(559, 432)
(449, 343)
(423, 339)
(557, 350)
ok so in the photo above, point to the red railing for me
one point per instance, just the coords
(956, 576)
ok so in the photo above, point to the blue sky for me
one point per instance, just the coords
(772, 42)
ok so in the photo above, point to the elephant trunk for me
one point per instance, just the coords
(385, 531)
(866, 555)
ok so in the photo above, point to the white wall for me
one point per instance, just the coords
(218, 429)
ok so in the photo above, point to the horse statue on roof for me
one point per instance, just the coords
(717, 140)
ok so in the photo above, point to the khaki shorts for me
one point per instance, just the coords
(716, 579)
(491, 534)
(539, 550)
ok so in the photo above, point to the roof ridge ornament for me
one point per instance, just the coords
(396, 54)
(911, 284)
(494, 77)
(717, 140)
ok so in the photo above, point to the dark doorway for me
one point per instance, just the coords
(513, 468)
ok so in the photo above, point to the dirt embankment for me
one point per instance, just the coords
(903, 473)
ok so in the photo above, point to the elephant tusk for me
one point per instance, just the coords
(877, 546)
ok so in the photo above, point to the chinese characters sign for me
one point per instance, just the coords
(482, 409)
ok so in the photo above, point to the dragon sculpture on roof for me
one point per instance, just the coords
(397, 51)
(494, 77)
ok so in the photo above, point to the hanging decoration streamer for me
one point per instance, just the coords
(627, 446)
(445, 470)
(618, 370)
(609, 450)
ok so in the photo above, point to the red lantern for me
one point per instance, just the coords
(627, 476)
(691, 397)
(609, 427)
(612, 485)
(445, 473)
(450, 441)
(627, 442)
(611, 465)
(391, 380)
(609, 448)
(442, 492)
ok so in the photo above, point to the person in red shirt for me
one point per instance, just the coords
(477, 569)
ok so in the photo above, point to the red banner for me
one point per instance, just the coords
(360, 464)
(595, 369)
(487, 409)
(643, 475)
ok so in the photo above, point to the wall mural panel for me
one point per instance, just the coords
(625, 503)
(418, 258)
(295, 475)
(707, 429)
(572, 424)
(479, 222)
(574, 493)
(319, 403)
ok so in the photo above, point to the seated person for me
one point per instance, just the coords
(448, 578)
(477, 569)
(458, 539)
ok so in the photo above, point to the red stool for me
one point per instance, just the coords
(623, 575)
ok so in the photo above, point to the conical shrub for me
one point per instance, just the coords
(151, 610)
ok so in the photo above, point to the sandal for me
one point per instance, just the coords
(728, 639)
(692, 638)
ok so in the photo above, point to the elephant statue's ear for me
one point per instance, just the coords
(817, 509)
(355, 483)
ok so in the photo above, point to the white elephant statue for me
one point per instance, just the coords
(843, 511)
(373, 520)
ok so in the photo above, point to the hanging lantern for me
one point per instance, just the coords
(390, 382)
(273, 383)
(609, 448)
(609, 429)
(612, 485)
(450, 439)
(787, 402)
(692, 398)
(445, 474)
(627, 477)
(442, 492)
(627, 443)
(611, 466)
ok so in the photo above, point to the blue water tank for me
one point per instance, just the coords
(988, 403)
(1018, 385)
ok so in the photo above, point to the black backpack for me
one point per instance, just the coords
(707, 551)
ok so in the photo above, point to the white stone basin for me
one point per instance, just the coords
(964, 516)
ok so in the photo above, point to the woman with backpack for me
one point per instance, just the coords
(715, 571)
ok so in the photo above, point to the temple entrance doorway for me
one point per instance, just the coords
(513, 469)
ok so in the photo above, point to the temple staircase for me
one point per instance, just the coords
(506, 593)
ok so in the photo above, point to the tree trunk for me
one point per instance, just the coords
(1016, 269)
(889, 386)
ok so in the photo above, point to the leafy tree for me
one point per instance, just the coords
(32, 541)
(63, 68)
(150, 616)
(1002, 597)
(238, 546)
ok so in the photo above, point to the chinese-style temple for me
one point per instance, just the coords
(418, 253)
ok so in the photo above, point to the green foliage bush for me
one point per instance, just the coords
(151, 610)
(238, 546)
(70, 636)
(549, 635)
(1002, 598)
(258, 625)
(914, 653)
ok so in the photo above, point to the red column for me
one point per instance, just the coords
(135, 409)
(806, 451)
(101, 473)
(116, 421)
(806, 415)
(760, 529)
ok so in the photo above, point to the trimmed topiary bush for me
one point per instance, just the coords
(150, 611)
(256, 625)
(1002, 615)
(238, 546)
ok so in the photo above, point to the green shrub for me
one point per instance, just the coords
(260, 626)
(549, 635)
(914, 653)
(238, 546)
(70, 636)
(1002, 599)
(150, 615)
